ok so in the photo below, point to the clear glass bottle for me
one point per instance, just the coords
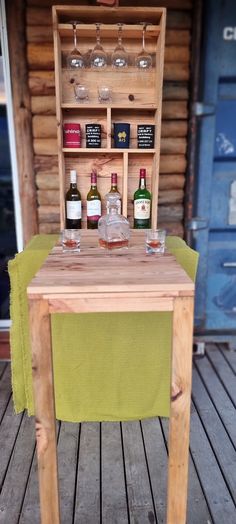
(73, 203)
(113, 228)
(114, 191)
(142, 204)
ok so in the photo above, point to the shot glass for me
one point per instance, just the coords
(70, 240)
(81, 93)
(104, 94)
(155, 241)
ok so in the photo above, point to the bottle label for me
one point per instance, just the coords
(73, 210)
(94, 209)
(142, 208)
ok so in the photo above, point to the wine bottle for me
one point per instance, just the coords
(142, 204)
(93, 204)
(115, 191)
(73, 204)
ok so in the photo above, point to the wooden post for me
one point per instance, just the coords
(180, 410)
(22, 115)
(42, 370)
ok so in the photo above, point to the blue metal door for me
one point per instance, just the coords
(215, 194)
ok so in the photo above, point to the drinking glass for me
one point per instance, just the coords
(143, 60)
(70, 240)
(81, 93)
(155, 241)
(119, 57)
(104, 94)
(98, 57)
(75, 59)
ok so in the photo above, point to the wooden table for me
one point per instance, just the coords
(97, 281)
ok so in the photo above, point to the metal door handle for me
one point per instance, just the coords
(229, 264)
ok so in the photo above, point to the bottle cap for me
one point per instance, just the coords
(142, 173)
(93, 177)
(73, 176)
(114, 178)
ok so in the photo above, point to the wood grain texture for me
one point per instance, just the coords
(44, 403)
(180, 410)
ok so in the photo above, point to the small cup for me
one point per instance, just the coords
(81, 93)
(70, 240)
(104, 94)
(121, 135)
(155, 241)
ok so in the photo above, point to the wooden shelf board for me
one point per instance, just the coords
(89, 106)
(101, 14)
(105, 150)
(128, 31)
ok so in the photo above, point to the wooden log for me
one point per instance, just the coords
(179, 37)
(15, 11)
(40, 56)
(43, 105)
(44, 126)
(172, 196)
(49, 214)
(52, 228)
(46, 164)
(39, 34)
(172, 213)
(174, 128)
(174, 53)
(45, 146)
(39, 16)
(168, 182)
(48, 197)
(172, 146)
(172, 228)
(176, 4)
(51, 180)
(172, 110)
(175, 91)
(43, 83)
(173, 164)
(178, 20)
(178, 72)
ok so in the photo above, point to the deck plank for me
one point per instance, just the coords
(220, 442)
(87, 507)
(17, 474)
(140, 502)
(223, 371)
(197, 509)
(8, 433)
(219, 396)
(230, 356)
(114, 502)
(67, 465)
(5, 387)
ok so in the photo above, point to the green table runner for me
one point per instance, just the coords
(107, 366)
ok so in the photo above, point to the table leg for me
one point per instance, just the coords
(180, 410)
(42, 370)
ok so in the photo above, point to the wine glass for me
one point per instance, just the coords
(75, 60)
(98, 57)
(143, 60)
(119, 57)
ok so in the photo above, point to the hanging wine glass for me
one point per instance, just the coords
(143, 60)
(75, 60)
(119, 57)
(98, 57)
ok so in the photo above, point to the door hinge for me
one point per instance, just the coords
(196, 223)
(201, 109)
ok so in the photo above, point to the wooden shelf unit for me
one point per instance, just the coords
(136, 98)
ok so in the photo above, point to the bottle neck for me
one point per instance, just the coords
(112, 210)
(73, 185)
(142, 182)
(93, 181)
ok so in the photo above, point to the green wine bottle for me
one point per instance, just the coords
(93, 204)
(73, 204)
(142, 204)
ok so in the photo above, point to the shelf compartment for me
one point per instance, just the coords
(108, 31)
(84, 116)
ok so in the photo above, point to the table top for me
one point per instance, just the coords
(98, 270)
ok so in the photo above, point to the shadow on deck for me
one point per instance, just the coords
(116, 473)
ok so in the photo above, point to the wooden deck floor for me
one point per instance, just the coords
(116, 473)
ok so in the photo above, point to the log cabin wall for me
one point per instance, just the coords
(173, 162)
